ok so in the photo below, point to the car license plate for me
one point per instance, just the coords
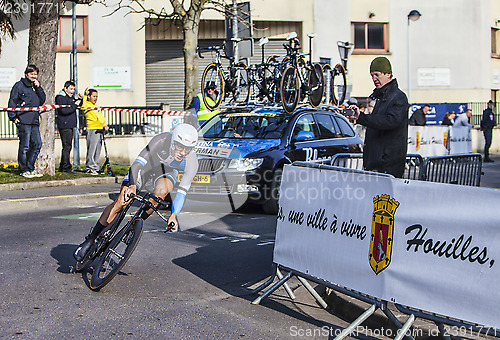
(198, 178)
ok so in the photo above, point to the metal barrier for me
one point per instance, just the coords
(302, 277)
(119, 122)
(415, 166)
(454, 169)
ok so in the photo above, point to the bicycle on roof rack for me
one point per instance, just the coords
(114, 246)
(300, 77)
(231, 82)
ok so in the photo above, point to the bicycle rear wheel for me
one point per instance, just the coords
(212, 73)
(118, 252)
(290, 89)
(339, 88)
(316, 82)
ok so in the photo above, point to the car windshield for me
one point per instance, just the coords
(246, 125)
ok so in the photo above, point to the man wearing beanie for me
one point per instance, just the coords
(387, 126)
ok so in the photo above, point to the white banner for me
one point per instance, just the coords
(428, 141)
(460, 140)
(421, 244)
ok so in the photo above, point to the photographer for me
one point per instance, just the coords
(96, 125)
(387, 126)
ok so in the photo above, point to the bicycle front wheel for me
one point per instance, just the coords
(212, 74)
(339, 88)
(290, 89)
(116, 254)
(316, 84)
(240, 86)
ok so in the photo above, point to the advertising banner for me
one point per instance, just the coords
(426, 245)
(438, 110)
(428, 141)
(460, 140)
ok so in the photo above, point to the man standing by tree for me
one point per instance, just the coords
(27, 92)
(487, 124)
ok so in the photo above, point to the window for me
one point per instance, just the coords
(305, 123)
(346, 129)
(495, 42)
(65, 40)
(326, 127)
(370, 37)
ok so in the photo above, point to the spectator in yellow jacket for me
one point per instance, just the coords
(96, 125)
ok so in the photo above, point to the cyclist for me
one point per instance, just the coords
(160, 161)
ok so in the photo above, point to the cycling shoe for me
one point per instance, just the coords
(83, 248)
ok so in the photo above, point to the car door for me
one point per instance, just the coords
(351, 142)
(304, 139)
(331, 141)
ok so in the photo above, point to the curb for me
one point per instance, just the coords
(66, 182)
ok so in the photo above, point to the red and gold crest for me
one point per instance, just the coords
(384, 208)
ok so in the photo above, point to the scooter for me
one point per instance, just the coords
(106, 167)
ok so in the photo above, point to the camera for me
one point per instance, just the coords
(347, 112)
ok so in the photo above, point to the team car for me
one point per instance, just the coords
(242, 151)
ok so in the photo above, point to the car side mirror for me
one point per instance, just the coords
(304, 135)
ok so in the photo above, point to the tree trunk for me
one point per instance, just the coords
(190, 30)
(43, 34)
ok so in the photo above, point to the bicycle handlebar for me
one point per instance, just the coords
(145, 201)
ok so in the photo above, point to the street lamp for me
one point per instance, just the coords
(414, 15)
(345, 49)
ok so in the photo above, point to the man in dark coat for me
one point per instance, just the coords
(418, 117)
(487, 124)
(65, 121)
(387, 126)
(27, 92)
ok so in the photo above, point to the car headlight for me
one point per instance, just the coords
(245, 164)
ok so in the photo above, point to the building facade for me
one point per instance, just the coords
(451, 54)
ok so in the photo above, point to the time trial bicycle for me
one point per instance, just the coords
(114, 246)
(300, 76)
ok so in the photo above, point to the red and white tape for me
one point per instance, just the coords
(39, 108)
(144, 111)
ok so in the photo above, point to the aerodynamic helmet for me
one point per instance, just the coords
(185, 135)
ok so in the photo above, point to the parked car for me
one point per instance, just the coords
(242, 151)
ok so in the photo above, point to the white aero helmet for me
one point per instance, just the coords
(185, 134)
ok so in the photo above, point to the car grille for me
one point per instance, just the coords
(210, 189)
(210, 164)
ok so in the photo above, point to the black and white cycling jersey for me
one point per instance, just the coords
(155, 161)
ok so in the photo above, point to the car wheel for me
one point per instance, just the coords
(271, 204)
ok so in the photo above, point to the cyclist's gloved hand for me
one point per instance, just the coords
(132, 189)
(173, 219)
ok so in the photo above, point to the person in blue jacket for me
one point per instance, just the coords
(27, 92)
(66, 118)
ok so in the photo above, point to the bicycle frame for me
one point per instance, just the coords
(107, 234)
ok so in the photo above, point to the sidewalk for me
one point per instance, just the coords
(54, 194)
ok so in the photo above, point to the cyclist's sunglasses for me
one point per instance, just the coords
(179, 147)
